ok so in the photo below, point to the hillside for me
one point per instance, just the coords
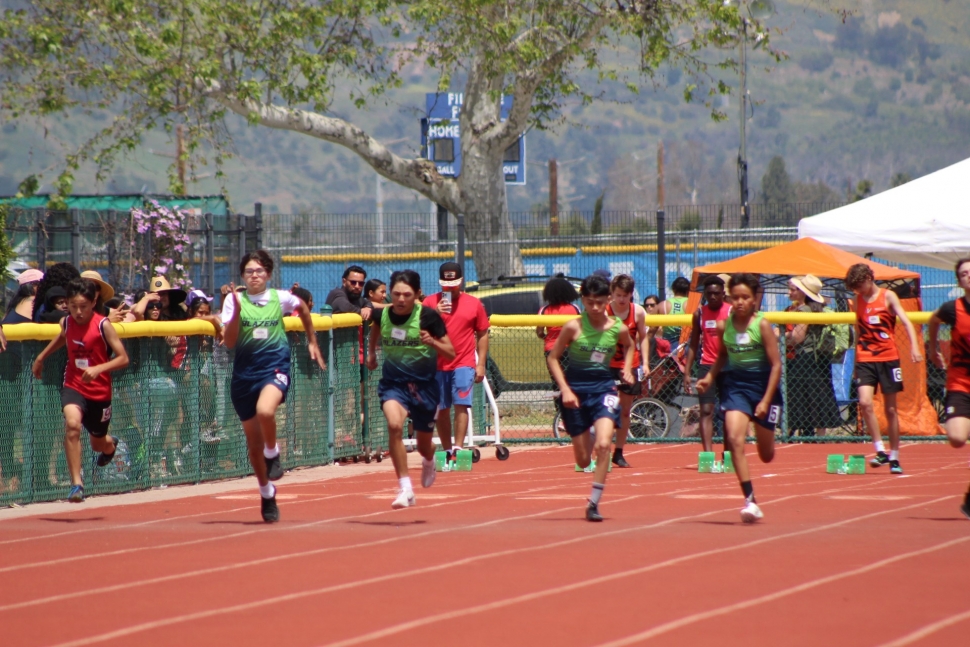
(887, 92)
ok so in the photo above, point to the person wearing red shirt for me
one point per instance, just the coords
(705, 335)
(86, 395)
(633, 316)
(559, 295)
(956, 314)
(467, 326)
(877, 358)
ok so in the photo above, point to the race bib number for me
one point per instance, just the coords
(874, 319)
(884, 335)
(399, 334)
(951, 410)
(611, 402)
(774, 414)
(82, 364)
(598, 357)
(897, 375)
(710, 323)
(260, 333)
(106, 414)
(283, 379)
(639, 374)
(744, 338)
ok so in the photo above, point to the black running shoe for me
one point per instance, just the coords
(271, 513)
(593, 512)
(274, 469)
(880, 459)
(894, 467)
(105, 459)
(619, 461)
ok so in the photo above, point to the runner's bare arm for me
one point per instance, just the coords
(53, 346)
(303, 312)
(375, 334)
(116, 363)
(695, 340)
(935, 355)
(566, 336)
(231, 331)
(774, 356)
(628, 351)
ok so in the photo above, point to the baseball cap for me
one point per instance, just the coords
(450, 275)
(602, 272)
(30, 276)
(197, 295)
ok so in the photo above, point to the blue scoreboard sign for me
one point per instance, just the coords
(441, 137)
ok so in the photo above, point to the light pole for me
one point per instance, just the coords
(759, 10)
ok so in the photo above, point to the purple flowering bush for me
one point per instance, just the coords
(164, 231)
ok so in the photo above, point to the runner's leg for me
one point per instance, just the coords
(72, 442)
(396, 414)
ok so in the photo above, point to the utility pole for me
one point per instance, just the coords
(379, 194)
(742, 153)
(661, 197)
(180, 157)
(553, 198)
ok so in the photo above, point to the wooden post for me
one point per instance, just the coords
(553, 198)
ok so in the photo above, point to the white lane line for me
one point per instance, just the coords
(777, 595)
(155, 624)
(928, 630)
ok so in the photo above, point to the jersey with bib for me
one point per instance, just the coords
(406, 357)
(745, 350)
(261, 347)
(678, 307)
(589, 357)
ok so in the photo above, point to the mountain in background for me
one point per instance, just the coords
(883, 95)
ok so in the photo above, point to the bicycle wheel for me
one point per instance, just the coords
(558, 427)
(649, 419)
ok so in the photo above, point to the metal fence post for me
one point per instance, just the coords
(241, 225)
(661, 255)
(210, 256)
(258, 225)
(41, 221)
(782, 348)
(460, 248)
(75, 238)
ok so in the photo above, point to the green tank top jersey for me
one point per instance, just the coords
(678, 307)
(406, 357)
(590, 353)
(745, 350)
(262, 344)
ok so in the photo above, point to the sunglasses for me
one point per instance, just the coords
(650, 305)
(153, 306)
(360, 283)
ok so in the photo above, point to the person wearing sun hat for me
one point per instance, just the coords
(160, 290)
(105, 292)
(811, 398)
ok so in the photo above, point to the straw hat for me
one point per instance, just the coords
(810, 286)
(161, 284)
(106, 290)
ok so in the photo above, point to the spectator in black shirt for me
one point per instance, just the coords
(349, 297)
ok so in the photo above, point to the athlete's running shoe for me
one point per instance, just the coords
(593, 512)
(427, 473)
(105, 459)
(619, 460)
(751, 512)
(880, 459)
(77, 494)
(274, 469)
(271, 512)
(894, 467)
(405, 499)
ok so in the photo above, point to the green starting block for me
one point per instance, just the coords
(592, 467)
(728, 467)
(462, 462)
(705, 462)
(839, 464)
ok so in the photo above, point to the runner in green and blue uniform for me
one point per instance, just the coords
(589, 396)
(412, 337)
(261, 365)
(749, 391)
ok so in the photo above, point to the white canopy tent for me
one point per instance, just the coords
(923, 222)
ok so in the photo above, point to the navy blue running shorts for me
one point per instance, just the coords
(420, 399)
(592, 407)
(743, 390)
(245, 393)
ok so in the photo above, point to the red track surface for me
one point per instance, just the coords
(502, 555)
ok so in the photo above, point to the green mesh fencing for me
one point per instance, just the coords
(172, 412)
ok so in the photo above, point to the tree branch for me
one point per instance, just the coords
(418, 174)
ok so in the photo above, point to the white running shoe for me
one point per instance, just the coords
(405, 499)
(427, 473)
(751, 512)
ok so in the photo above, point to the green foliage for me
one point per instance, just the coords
(574, 225)
(818, 192)
(597, 225)
(690, 221)
(7, 253)
(899, 179)
(776, 186)
(862, 191)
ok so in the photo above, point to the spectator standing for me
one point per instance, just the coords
(57, 275)
(21, 305)
(467, 326)
(376, 292)
(676, 305)
(18, 311)
(560, 296)
(811, 400)
(349, 296)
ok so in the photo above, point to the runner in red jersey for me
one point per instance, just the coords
(956, 314)
(86, 394)
(622, 307)
(877, 359)
(705, 333)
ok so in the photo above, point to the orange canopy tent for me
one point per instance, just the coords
(776, 265)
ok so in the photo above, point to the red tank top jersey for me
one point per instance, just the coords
(710, 335)
(877, 327)
(86, 347)
(552, 333)
(631, 325)
(958, 372)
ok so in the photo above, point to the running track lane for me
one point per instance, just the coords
(671, 562)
